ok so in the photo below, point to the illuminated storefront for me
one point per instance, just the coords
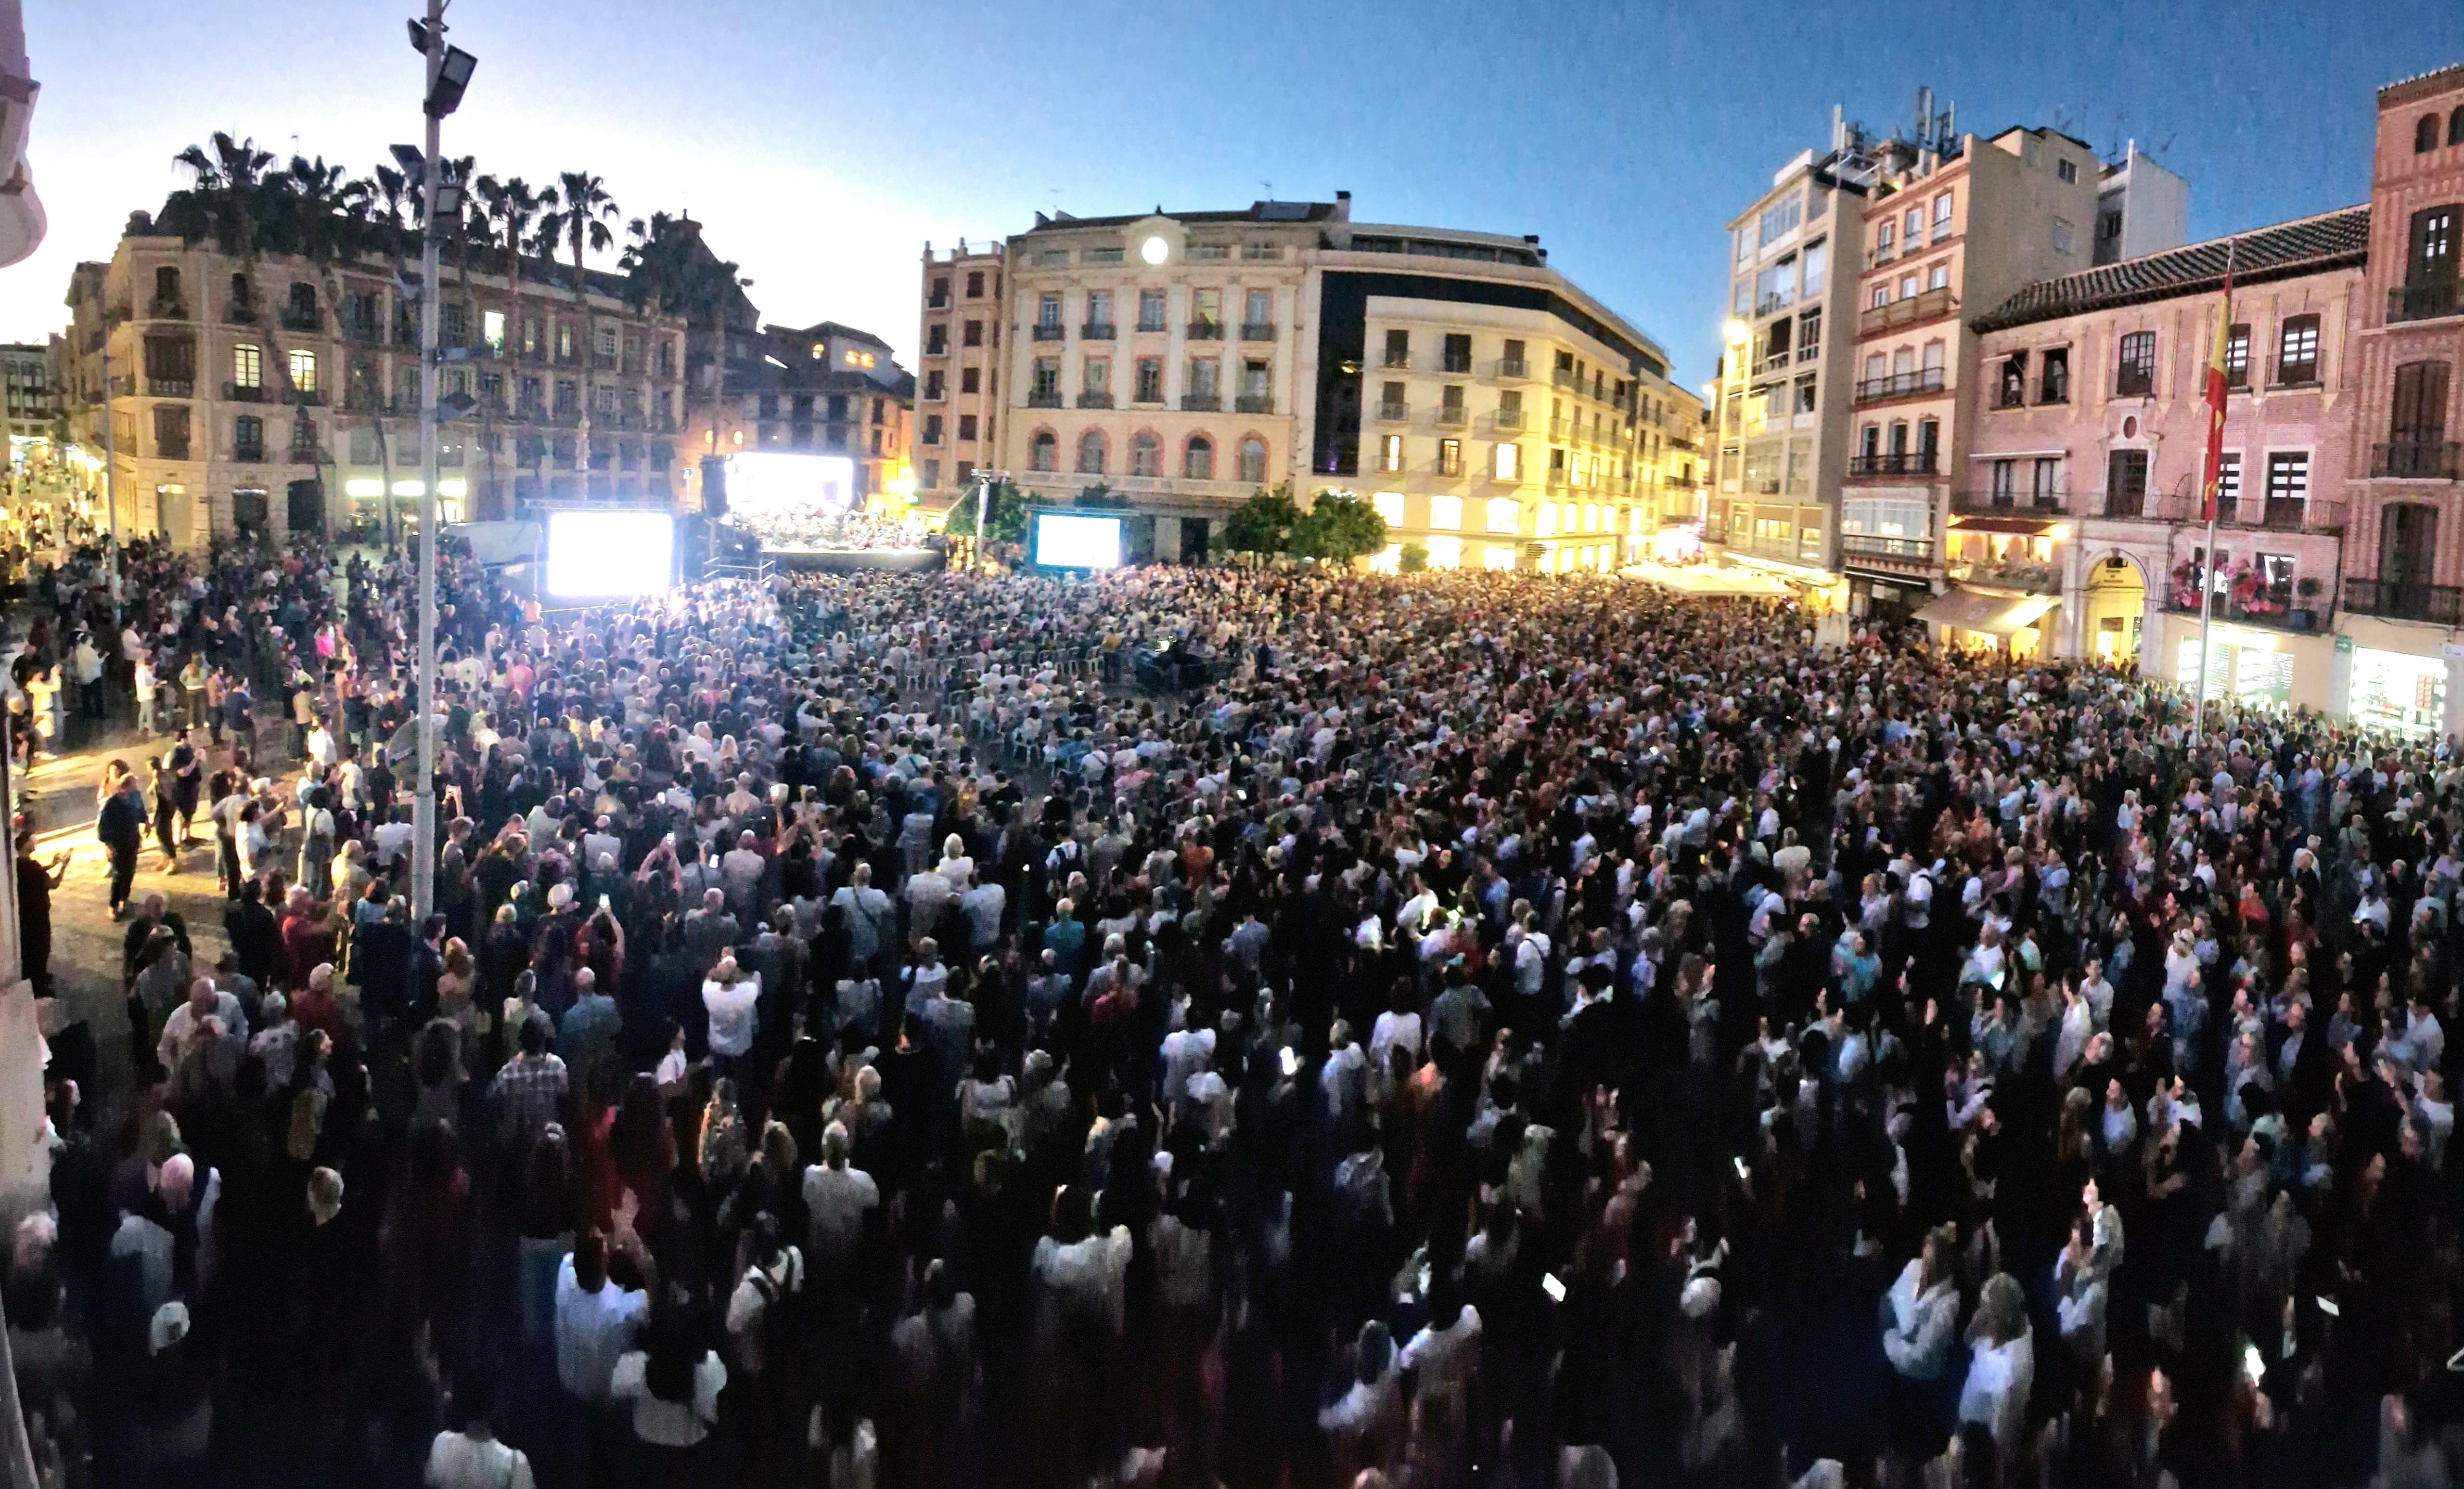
(2397, 690)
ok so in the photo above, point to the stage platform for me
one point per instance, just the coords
(856, 561)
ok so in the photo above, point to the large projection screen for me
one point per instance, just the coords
(609, 555)
(1067, 540)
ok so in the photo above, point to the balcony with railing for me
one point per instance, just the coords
(1899, 385)
(1459, 365)
(2429, 301)
(2415, 459)
(2007, 504)
(172, 448)
(2245, 601)
(1507, 420)
(1205, 331)
(1044, 398)
(1901, 462)
(2303, 373)
(1924, 306)
(1052, 331)
(2403, 599)
(1256, 331)
(1095, 399)
(1453, 415)
(1096, 331)
(249, 455)
(1390, 412)
(1564, 377)
(166, 307)
(1896, 553)
(239, 312)
(2134, 379)
(1202, 403)
(170, 388)
(299, 318)
(1254, 403)
(250, 392)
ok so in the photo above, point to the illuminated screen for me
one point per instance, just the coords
(1065, 541)
(609, 555)
(772, 484)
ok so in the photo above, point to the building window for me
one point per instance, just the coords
(2238, 355)
(967, 427)
(939, 295)
(1253, 459)
(1818, 258)
(2297, 350)
(1805, 394)
(1146, 455)
(1502, 513)
(1090, 453)
(936, 339)
(2135, 372)
(933, 389)
(1042, 451)
(247, 437)
(1938, 277)
(975, 284)
(1398, 349)
(248, 368)
(2125, 482)
(974, 335)
(2062, 235)
(1809, 335)
(1098, 377)
(1942, 217)
(1458, 353)
(2425, 134)
(2228, 482)
(1506, 462)
(2066, 169)
(1881, 297)
(1198, 460)
(1150, 380)
(1047, 311)
(1445, 513)
(1150, 310)
(2288, 484)
(932, 429)
(1450, 458)
(1390, 453)
(1388, 504)
(303, 371)
(1885, 237)
(931, 475)
(1045, 389)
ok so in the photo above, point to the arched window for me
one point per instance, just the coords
(1146, 457)
(2456, 125)
(2425, 134)
(1253, 460)
(1197, 462)
(1090, 453)
(1042, 451)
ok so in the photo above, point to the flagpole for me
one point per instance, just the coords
(2209, 479)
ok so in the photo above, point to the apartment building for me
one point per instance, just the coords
(2141, 208)
(827, 390)
(1783, 409)
(1495, 415)
(2403, 559)
(282, 394)
(2082, 533)
(30, 390)
(958, 393)
(1947, 223)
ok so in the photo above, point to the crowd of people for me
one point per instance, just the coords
(1493, 1030)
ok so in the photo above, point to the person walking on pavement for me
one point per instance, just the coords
(120, 824)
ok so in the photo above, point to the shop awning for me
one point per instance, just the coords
(1993, 614)
(1706, 579)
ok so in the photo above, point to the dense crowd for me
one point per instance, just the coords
(1500, 1030)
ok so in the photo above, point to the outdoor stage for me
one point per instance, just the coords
(855, 561)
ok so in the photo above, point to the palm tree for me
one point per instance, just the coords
(587, 211)
(240, 191)
(512, 211)
(322, 198)
(389, 198)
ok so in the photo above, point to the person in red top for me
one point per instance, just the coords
(313, 1006)
(307, 940)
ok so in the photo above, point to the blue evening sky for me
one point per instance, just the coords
(824, 142)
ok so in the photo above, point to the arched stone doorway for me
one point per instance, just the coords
(2113, 607)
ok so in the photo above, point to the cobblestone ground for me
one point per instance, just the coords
(85, 939)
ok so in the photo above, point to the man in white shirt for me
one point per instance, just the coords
(596, 1320)
(837, 1197)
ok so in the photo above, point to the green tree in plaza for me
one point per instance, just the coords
(1338, 528)
(1413, 559)
(1262, 526)
(1007, 520)
(585, 212)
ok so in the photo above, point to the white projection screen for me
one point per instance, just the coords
(609, 555)
(1067, 540)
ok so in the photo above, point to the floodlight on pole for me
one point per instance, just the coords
(449, 76)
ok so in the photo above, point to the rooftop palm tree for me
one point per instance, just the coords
(586, 211)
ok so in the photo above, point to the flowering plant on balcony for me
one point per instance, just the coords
(2251, 593)
(2185, 585)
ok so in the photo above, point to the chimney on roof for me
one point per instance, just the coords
(1342, 207)
(1042, 220)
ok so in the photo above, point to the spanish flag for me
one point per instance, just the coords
(2216, 395)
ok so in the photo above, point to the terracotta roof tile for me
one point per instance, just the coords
(2305, 245)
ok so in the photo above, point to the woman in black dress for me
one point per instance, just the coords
(166, 816)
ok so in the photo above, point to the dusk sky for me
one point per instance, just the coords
(824, 142)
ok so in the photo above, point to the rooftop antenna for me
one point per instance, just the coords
(1924, 113)
(1269, 189)
(1839, 127)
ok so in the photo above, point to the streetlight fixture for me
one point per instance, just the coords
(449, 76)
